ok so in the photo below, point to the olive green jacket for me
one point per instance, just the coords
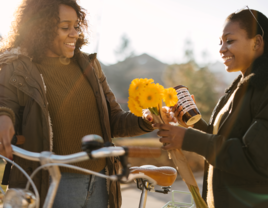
(23, 90)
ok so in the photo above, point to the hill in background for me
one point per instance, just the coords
(121, 74)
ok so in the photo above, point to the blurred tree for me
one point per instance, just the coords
(200, 82)
(188, 50)
(205, 57)
(124, 50)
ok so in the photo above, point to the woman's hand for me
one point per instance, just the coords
(6, 133)
(171, 136)
(167, 116)
(147, 115)
(165, 112)
(178, 114)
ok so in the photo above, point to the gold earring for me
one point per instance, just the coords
(64, 60)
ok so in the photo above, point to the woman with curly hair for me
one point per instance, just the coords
(46, 81)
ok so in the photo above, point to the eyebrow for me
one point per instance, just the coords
(229, 33)
(67, 21)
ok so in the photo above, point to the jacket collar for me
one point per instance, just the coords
(257, 76)
(11, 55)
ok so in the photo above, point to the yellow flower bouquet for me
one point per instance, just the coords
(144, 94)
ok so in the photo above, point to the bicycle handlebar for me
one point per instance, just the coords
(99, 153)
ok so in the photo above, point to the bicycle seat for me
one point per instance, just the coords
(164, 176)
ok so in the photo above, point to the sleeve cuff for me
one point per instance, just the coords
(8, 112)
(145, 125)
(201, 125)
(196, 141)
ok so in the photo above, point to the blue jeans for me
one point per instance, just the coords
(78, 190)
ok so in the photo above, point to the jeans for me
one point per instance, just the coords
(78, 190)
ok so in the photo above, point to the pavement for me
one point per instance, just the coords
(131, 194)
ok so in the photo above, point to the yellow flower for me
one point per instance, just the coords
(150, 97)
(136, 87)
(134, 107)
(148, 81)
(160, 88)
(170, 97)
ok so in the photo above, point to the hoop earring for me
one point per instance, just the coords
(64, 60)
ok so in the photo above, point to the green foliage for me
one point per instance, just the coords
(200, 82)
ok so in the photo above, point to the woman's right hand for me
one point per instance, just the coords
(6, 134)
(178, 113)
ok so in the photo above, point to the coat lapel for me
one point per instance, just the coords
(86, 65)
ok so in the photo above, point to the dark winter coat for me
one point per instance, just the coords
(23, 90)
(239, 152)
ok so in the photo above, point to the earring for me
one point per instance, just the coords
(64, 60)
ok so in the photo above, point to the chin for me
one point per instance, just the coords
(231, 69)
(68, 54)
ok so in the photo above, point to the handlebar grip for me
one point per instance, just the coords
(18, 140)
(143, 152)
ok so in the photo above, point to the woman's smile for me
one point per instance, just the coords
(227, 60)
(70, 45)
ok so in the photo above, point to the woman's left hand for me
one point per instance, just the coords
(170, 135)
(167, 116)
(147, 115)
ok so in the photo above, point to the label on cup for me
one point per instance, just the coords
(185, 100)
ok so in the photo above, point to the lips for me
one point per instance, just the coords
(70, 45)
(227, 59)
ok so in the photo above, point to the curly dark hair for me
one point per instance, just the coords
(36, 26)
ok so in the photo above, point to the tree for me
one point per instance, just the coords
(199, 81)
(124, 50)
(188, 50)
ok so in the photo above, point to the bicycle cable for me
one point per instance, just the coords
(30, 181)
(113, 177)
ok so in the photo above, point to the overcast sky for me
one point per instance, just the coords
(156, 27)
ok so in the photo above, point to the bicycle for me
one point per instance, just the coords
(93, 147)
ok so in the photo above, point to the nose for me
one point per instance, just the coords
(74, 33)
(223, 48)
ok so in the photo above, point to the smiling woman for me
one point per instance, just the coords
(51, 30)
(68, 33)
(234, 143)
(45, 82)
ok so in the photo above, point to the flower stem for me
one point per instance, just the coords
(154, 111)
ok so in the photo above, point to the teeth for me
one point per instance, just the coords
(71, 44)
(227, 58)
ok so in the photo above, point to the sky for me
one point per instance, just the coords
(159, 28)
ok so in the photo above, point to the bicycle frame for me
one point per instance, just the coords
(52, 162)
